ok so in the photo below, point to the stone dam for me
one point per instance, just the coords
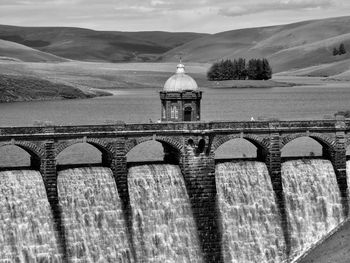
(191, 207)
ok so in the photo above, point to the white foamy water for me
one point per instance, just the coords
(313, 201)
(163, 223)
(250, 221)
(348, 177)
(26, 223)
(92, 214)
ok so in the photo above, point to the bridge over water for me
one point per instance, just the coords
(192, 146)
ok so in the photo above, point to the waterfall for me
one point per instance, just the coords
(250, 221)
(26, 224)
(163, 224)
(348, 177)
(312, 201)
(93, 218)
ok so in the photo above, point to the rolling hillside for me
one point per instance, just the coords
(17, 52)
(89, 45)
(20, 88)
(335, 248)
(291, 46)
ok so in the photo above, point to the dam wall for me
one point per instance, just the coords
(191, 146)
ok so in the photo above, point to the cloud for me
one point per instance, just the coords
(279, 5)
(173, 15)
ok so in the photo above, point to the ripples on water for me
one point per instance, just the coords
(26, 224)
(93, 218)
(312, 201)
(251, 225)
(163, 224)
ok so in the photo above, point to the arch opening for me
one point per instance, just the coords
(201, 146)
(188, 113)
(304, 147)
(82, 154)
(239, 148)
(153, 151)
(13, 156)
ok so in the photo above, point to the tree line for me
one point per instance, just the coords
(340, 51)
(256, 69)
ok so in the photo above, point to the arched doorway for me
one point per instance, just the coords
(188, 114)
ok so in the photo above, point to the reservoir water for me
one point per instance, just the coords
(162, 221)
(141, 105)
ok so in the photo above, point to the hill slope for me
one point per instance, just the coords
(90, 45)
(287, 47)
(13, 51)
(333, 249)
(20, 88)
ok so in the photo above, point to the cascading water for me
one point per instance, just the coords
(163, 224)
(313, 201)
(250, 220)
(93, 218)
(26, 224)
(348, 176)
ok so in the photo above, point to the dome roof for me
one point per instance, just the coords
(180, 81)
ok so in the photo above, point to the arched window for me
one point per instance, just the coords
(174, 114)
(188, 113)
(163, 112)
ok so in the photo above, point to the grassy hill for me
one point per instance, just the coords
(335, 70)
(17, 52)
(335, 248)
(89, 45)
(291, 46)
(20, 88)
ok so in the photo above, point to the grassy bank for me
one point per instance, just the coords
(23, 88)
(91, 76)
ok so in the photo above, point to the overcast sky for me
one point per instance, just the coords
(167, 15)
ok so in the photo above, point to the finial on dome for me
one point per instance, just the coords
(180, 68)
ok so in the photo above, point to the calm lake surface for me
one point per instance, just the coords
(141, 105)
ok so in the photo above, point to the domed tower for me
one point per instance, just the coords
(181, 98)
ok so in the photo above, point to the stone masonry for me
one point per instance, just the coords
(192, 145)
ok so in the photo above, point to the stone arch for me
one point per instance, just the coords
(168, 141)
(259, 143)
(103, 146)
(172, 147)
(32, 149)
(325, 141)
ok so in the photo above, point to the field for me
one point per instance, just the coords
(89, 76)
(78, 58)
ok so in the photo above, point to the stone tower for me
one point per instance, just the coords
(181, 98)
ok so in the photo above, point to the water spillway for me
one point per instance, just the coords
(313, 201)
(163, 224)
(26, 224)
(93, 217)
(250, 220)
(348, 175)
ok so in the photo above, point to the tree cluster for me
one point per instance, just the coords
(340, 51)
(256, 69)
